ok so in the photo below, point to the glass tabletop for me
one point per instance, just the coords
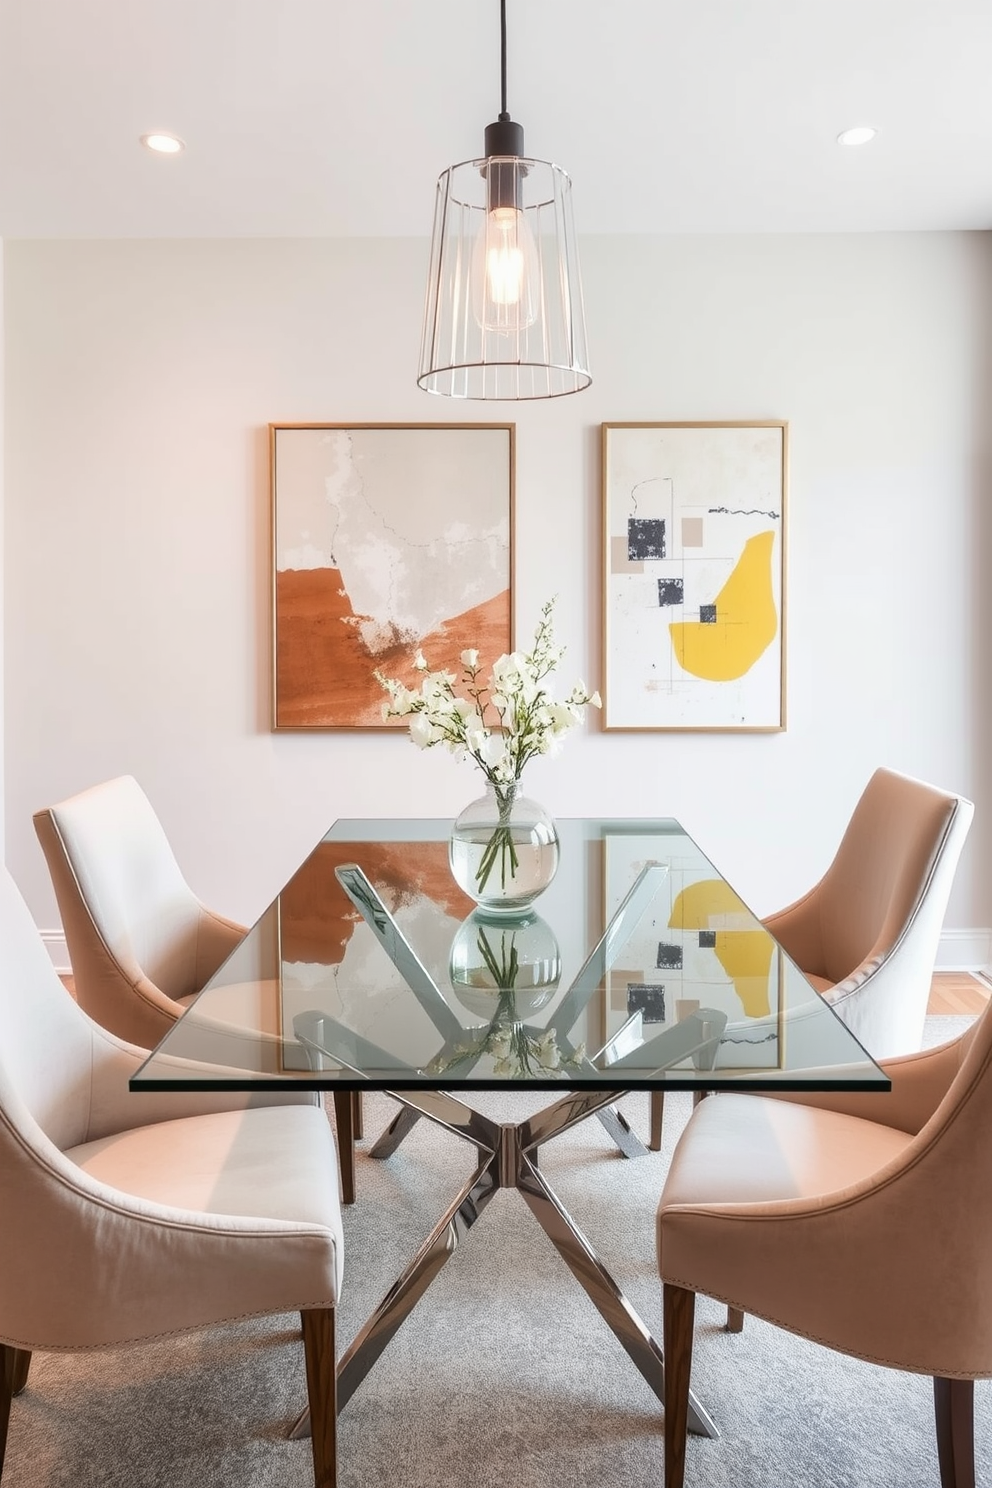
(639, 968)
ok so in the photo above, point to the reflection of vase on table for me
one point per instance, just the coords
(504, 970)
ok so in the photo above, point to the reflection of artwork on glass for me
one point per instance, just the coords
(698, 946)
(325, 947)
(694, 519)
(648, 999)
(385, 538)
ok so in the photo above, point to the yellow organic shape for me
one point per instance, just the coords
(745, 955)
(745, 624)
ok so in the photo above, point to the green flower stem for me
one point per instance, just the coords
(500, 847)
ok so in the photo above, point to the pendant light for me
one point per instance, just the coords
(503, 317)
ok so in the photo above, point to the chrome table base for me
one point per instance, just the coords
(507, 1159)
(610, 1117)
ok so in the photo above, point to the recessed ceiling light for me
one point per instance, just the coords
(163, 144)
(859, 135)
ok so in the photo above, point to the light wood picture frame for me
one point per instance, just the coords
(694, 568)
(385, 538)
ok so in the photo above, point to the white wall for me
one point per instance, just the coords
(140, 380)
(2, 407)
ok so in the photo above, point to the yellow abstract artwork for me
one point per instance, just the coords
(746, 621)
(694, 575)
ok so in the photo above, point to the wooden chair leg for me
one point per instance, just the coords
(735, 1320)
(14, 1366)
(657, 1119)
(357, 1119)
(954, 1408)
(322, 1392)
(19, 1373)
(344, 1121)
(679, 1309)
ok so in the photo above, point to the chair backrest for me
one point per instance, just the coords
(49, 1049)
(880, 906)
(128, 914)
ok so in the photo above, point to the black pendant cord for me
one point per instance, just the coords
(502, 69)
(504, 137)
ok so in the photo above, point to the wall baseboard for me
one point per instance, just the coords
(959, 950)
(54, 942)
(964, 950)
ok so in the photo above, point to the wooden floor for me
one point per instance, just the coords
(953, 993)
(957, 993)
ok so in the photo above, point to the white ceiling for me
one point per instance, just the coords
(334, 117)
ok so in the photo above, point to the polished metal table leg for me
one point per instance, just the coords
(407, 1291)
(507, 1159)
(401, 1125)
(602, 1290)
(616, 1124)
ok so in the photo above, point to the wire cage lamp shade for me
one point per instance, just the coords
(504, 317)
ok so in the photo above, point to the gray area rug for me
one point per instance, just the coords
(504, 1374)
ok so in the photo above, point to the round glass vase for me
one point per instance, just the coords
(503, 849)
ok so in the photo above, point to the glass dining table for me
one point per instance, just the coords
(638, 968)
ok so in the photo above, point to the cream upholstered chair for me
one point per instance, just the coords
(861, 1221)
(130, 1217)
(866, 935)
(140, 942)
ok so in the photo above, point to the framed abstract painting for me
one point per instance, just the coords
(385, 538)
(694, 575)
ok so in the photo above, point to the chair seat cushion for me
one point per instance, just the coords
(751, 1149)
(275, 1164)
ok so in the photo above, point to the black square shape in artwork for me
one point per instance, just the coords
(707, 940)
(670, 591)
(707, 614)
(645, 538)
(669, 957)
(648, 999)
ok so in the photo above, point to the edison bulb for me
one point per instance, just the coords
(506, 273)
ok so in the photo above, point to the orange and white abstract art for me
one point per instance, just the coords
(386, 538)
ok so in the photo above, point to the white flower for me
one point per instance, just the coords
(500, 723)
(422, 731)
(548, 1053)
(561, 717)
(492, 751)
(500, 1043)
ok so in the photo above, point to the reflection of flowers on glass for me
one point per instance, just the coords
(529, 722)
(516, 1050)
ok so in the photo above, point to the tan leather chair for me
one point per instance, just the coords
(861, 1221)
(129, 1217)
(140, 942)
(866, 935)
